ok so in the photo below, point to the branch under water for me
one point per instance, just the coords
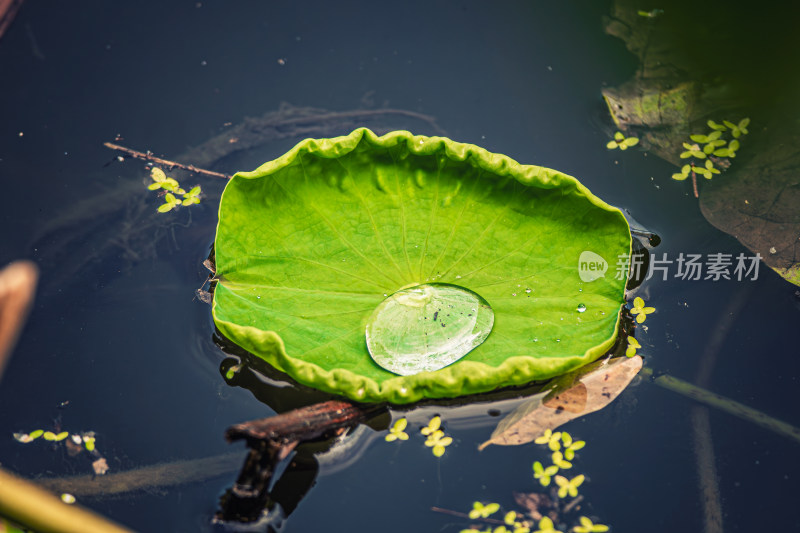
(147, 156)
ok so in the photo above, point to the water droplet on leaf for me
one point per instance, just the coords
(401, 343)
(581, 308)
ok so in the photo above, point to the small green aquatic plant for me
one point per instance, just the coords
(622, 142)
(232, 371)
(692, 150)
(436, 439)
(46, 435)
(716, 150)
(544, 475)
(559, 461)
(708, 171)
(587, 526)
(553, 440)
(438, 442)
(561, 457)
(737, 130)
(710, 142)
(511, 519)
(481, 510)
(74, 442)
(570, 445)
(171, 188)
(640, 310)
(563, 447)
(396, 432)
(569, 486)
(86, 439)
(633, 345)
(546, 526)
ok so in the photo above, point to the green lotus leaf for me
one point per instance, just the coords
(308, 245)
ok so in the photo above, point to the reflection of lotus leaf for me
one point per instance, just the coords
(310, 244)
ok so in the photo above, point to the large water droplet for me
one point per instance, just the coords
(427, 327)
(581, 308)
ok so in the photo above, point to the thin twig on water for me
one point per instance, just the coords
(147, 156)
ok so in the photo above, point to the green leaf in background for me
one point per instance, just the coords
(309, 245)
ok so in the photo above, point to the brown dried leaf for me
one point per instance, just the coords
(572, 400)
(587, 390)
(203, 296)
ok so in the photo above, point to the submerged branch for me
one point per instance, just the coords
(147, 156)
(706, 470)
(724, 404)
(145, 478)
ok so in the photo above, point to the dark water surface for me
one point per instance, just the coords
(117, 343)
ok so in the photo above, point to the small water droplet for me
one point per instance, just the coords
(558, 340)
(513, 294)
(259, 297)
(458, 277)
(580, 290)
(581, 308)
(528, 291)
(562, 318)
(535, 339)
